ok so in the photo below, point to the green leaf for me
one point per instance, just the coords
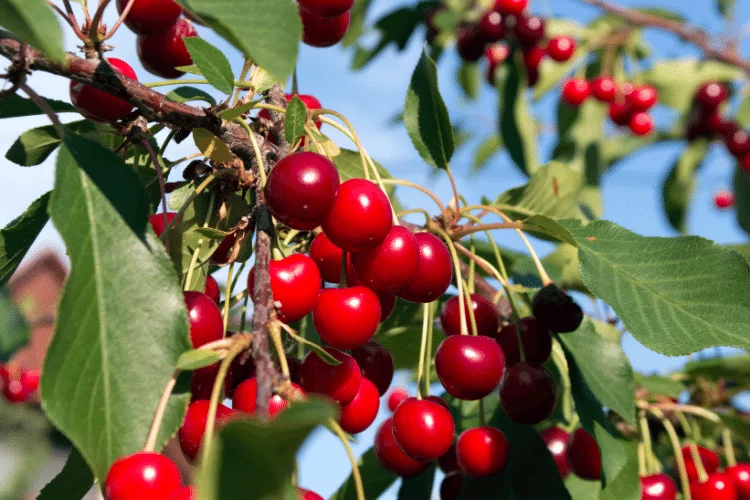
(185, 94)
(418, 487)
(268, 33)
(121, 323)
(14, 105)
(397, 333)
(743, 250)
(553, 191)
(732, 367)
(517, 124)
(17, 237)
(680, 183)
(14, 331)
(485, 152)
(469, 78)
(656, 384)
(543, 227)
(295, 120)
(195, 359)
(725, 7)
(742, 198)
(674, 295)
(580, 489)
(743, 113)
(34, 22)
(212, 63)
(349, 165)
(627, 484)
(375, 479)
(191, 68)
(738, 425)
(266, 449)
(73, 481)
(358, 13)
(35, 145)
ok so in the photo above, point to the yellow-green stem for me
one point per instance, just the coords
(352, 459)
(161, 408)
(227, 293)
(726, 436)
(459, 280)
(646, 438)
(679, 459)
(422, 350)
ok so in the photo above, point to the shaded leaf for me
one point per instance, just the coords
(17, 237)
(73, 481)
(35, 145)
(185, 94)
(740, 426)
(195, 359)
(375, 479)
(656, 384)
(725, 7)
(742, 198)
(418, 487)
(469, 78)
(14, 105)
(732, 367)
(485, 151)
(14, 331)
(212, 63)
(517, 124)
(35, 23)
(679, 185)
(294, 120)
(742, 116)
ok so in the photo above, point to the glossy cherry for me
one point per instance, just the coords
(492, 27)
(390, 265)
(322, 32)
(575, 91)
(150, 16)
(556, 310)
(328, 257)
(99, 105)
(512, 7)
(185, 493)
(738, 143)
(584, 458)
(423, 429)
(620, 112)
(485, 316)
(202, 382)
(719, 486)
(194, 425)
(641, 123)
(390, 455)
(157, 222)
(360, 412)
(375, 364)
(206, 321)
(482, 451)
(556, 440)
(561, 48)
(711, 95)
(528, 393)
(658, 487)
(346, 317)
(308, 495)
(740, 475)
(529, 29)
(643, 98)
(212, 289)
(469, 367)
(709, 459)
(327, 8)
(434, 273)
(396, 397)
(244, 398)
(340, 382)
(537, 342)
(160, 53)
(360, 217)
(295, 283)
(604, 88)
(142, 475)
(301, 188)
(469, 43)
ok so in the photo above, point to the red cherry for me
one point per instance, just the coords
(584, 458)
(360, 412)
(328, 257)
(142, 475)
(150, 16)
(327, 8)
(206, 321)
(346, 317)
(245, 395)
(202, 382)
(641, 123)
(308, 495)
(99, 105)
(15, 392)
(375, 364)
(293, 364)
(485, 316)
(390, 265)
(295, 283)
(449, 461)
(711, 95)
(709, 459)
(740, 475)
(157, 222)
(482, 451)
(397, 396)
(561, 48)
(495, 54)
(194, 426)
(575, 91)
(529, 29)
(604, 88)
(223, 252)
(738, 143)
(160, 53)
(556, 440)
(492, 27)
(340, 383)
(644, 97)
(323, 31)
(185, 493)
(745, 163)
(212, 289)
(469, 367)
(620, 112)
(390, 455)
(469, 43)
(658, 487)
(528, 393)
(387, 305)
(450, 488)
(434, 273)
(301, 188)
(537, 342)
(718, 487)
(532, 58)
(423, 429)
(360, 217)
(724, 199)
(512, 7)
(30, 380)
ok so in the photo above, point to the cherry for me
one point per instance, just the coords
(328, 258)
(719, 486)
(641, 123)
(223, 252)
(492, 27)
(584, 458)
(242, 371)
(449, 461)
(740, 475)
(469, 43)
(301, 188)
(495, 54)
(529, 29)
(346, 317)
(643, 97)
(724, 199)
(293, 364)
(423, 429)
(150, 16)
(295, 283)
(575, 91)
(206, 321)
(323, 31)
(160, 53)
(620, 112)
(308, 495)
(532, 58)
(390, 455)
(434, 273)
(391, 264)
(245, 394)
(709, 459)
(327, 8)
(537, 342)
(738, 142)
(528, 393)
(556, 440)
(375, 364)
(360, 412)
(194, 425)
(157, 222)
(711, 95)
(99, 105)
(450, 488)
(512, 7)
(185, 493)
(202, 382)
(397, 396)
(30, 380)
(212, 289)
(15, 392)
(485, 316)
(561, 48)
(604, 88)
(482, 451)
(142, 475)
(556, 310)
(658, 487)
(469, 367)
(387, 305)
(360, 217)
(340, 383)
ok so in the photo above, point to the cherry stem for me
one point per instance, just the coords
(696, 456)
(160, 179)
(459, 281)
(402, 182)
(342, 274)
(428, 352)
(422, 389)
(642, 468)
(456, 196)
(677, 408)
(243, 76)
(646, 437)
(202, 187)
(679, 459)
(482, 419)
(317, 144)
(197, 81)
(161, 408)
(470, 308)
(70, 18)
(42, 104)
(194, 259)
(124, 14)
(352, 459)
(243, 312)
(726, 436)
(228, 293)
(256, 150)
(275, 332)
(472, 266)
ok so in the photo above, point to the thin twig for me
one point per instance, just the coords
(39, 101)
(124, 14)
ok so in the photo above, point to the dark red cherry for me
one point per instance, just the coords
(360, 412)
(492, 27)
(434, 273)
(212, 289)
(450, 488)
(244, 398)
(185, 493)
(532, 58)
(293, 364)
(485, 316)
(641, 123)
(360, 217)
(469, 43)
(301, 188)
(206, 321)
(375, 364)
(99, 105)
(160, 53)
(241, 371)
(511, 7)
(643, 98)
(469, 367)
(482, 451)
(575, 91)
(157, 222)
(556, 310)
(556, 440)
(584, 458)
(740, 475)
(223, 252)
(423, 429)
(604, 88)
(150, 16)
(658, 487)
(528, 393)
(308, 495)
(387, 305)
(449, 461)
(620, 112)
(327, 8)
(396, 397)
(529, 29)
(391, 265)
(340, 383)
(295, 283)
(142, 475)
(346, 317)
(537, 342)
(718, 487)
(202, 382)
(323, 31)
(390, 455)
(738, 143)
(328, 257)
(745, 163)
(708, 457)
(561, 48)
(194, 425)
(711, 95)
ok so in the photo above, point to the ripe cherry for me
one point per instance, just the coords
(185, 493)
(301, 188)
(157, 222)
(396, 397)
(709, 459)
(202, 382)
(556, 310)
(99, 105)
(482, 451)
(391, 265)
(528, 393)
(718, 487)
(738, 142)
(212, 289)
(30, 380)
(532, 58)
(575, 91)
(150, 16)
(15, 392)
(340, 382)
(469, 43)
(641, 123)
(223, 252)
(604, 88)
(360, 217)
(160, 53)
(584, 458)
(328, 257)
(495, 54)
(194, 425)
(308, 495)
(658, 487)
(711, 95)
(423, 429)
(142, 475)
(242, 371)
(293, 364)
(450, 487)
(561, 48)
(469, 367)
(485, 316)
(375, 364)
(434, 273)
(327, 8)
(390, 455)
(449, 461)
(323, 31)
(244, 398)
(512, 7)
(529, 29)
(360, 412)
(620, 112)
(295, 283)
(387, 305)
(724, 199)
(556, 440)
(740, 475)
(346, 317)
(643, 98)
(492, 27)
(206, 321)
(537, 342)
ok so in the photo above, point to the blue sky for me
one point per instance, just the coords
(371, 97)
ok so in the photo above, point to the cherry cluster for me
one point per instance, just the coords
(18, 384)
(324, 22)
